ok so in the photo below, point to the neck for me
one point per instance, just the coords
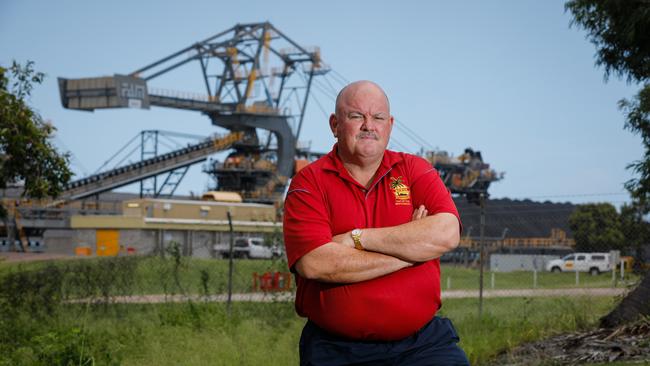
(362, 169)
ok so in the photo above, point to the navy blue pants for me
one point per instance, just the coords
(434, 344)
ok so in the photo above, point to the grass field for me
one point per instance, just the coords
(38, 327)
(256, 333)
(155, 275)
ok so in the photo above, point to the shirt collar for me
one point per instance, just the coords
(333, 163)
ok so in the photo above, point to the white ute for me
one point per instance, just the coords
(594, 263)
(252, 248)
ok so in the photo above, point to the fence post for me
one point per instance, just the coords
(534, 278)
(622, 270)
(492, 280)
(577, 278)
(161, 243)
(230, 263)
(482, 255)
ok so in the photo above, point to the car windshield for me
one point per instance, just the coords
(568, 257)
(241, 242)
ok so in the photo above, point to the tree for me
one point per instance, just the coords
(26, 154)
(596, 227)
(635, 229)
(637, 120)
(619, 30)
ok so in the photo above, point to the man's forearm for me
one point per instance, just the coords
(418, 240)
(334, 262)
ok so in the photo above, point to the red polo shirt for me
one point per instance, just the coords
(324, 200)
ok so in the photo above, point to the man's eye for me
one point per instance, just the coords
(354, 116)
(380, 118)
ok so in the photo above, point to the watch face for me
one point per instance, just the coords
(356, 232)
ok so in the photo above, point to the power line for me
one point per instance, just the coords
(401, 146)
(332, 88)
(580, 195)
(323, 89)
(342, 79)
(313, 95)
(412, 135)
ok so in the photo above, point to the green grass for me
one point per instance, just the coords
(38, 328)
(163, 334)
(155, 275)
(152, 275)
(257, 333)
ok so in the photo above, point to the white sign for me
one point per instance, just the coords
(135, 103)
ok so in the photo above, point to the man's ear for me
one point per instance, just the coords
(334, 123)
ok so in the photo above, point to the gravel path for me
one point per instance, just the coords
(288, 296)
(11, 257)
(463, 294)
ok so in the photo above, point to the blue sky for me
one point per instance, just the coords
(508, 78)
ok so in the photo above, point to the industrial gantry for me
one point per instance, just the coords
(257, 80)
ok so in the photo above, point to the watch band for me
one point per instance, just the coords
(356, 237)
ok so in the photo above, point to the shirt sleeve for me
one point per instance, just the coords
(306, 224)
(429, 190)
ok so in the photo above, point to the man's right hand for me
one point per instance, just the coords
(346, 238)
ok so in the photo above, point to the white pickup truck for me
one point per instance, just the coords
(252, 248)
(594, 263)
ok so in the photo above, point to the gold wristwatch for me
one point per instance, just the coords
(356, 237)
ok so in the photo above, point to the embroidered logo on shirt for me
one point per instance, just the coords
(401, 191)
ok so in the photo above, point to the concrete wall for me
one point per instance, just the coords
(205, 210)
(202, 242)
(197, 243)
(142, 241)
(60, 241)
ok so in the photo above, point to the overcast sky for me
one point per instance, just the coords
(508, 78)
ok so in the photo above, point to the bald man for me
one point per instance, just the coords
(364, 228)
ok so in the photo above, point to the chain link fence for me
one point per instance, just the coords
(530, 245)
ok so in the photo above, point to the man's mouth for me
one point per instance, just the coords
(367, 135)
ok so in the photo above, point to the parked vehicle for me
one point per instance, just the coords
(594, 263)
(252, 248)
(460, 256)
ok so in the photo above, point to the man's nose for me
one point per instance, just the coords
(368, 124)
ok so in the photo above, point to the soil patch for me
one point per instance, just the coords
(626, 343)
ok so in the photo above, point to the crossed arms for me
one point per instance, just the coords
(388, 249)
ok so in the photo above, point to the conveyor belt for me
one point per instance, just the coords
(121, 176)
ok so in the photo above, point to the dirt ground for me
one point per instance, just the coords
(629, 343)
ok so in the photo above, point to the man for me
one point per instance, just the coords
(363, 228)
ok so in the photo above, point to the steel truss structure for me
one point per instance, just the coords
(255, 79)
